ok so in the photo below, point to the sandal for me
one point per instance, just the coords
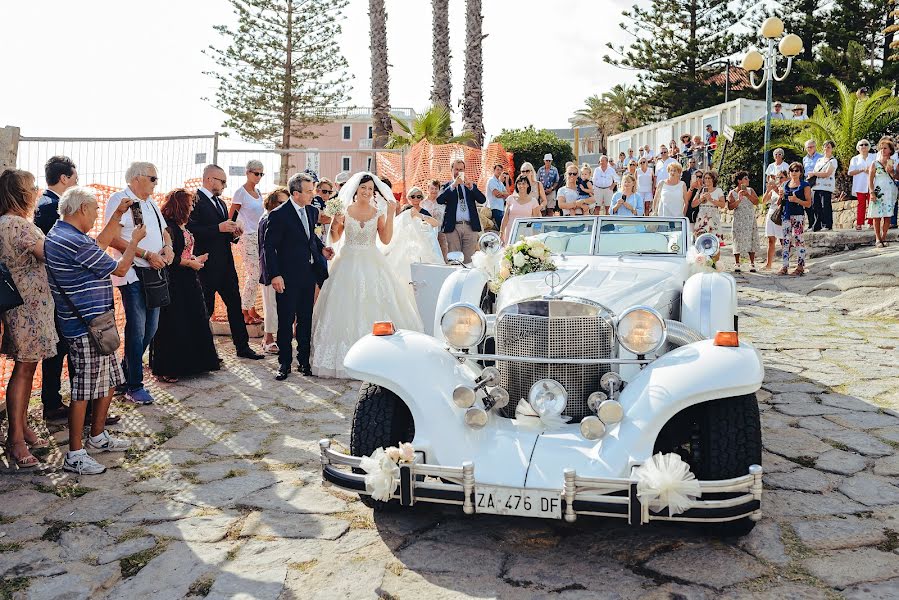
(166, 379)
(37, 443)
(799, 272)
(271, 348)
(783, 271)
(752, 269)
(28, 461)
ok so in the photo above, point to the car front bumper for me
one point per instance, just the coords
(730, 499)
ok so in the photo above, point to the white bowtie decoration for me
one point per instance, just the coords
(382, 470)
(666, 478)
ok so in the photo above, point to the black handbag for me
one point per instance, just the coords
(9, 293)
(155, 282)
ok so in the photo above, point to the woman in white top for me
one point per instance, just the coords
(247, 206)
(646, 183)
(771, 198)
(825, 170)
(527, 169)
(671, 194)
(858, 170)
(710, 201)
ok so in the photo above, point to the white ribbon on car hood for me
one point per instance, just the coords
(526, 414)
(382, 475)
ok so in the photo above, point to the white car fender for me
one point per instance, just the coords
(685, 376)
(417, 368)
(465, 285)
(709, 303)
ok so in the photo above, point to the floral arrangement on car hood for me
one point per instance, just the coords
(700, 263)
(382, 470)
(528, 255)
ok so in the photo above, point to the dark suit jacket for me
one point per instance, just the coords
(264, 277)
(204, 225)
(288, 248)
(450, 198)
(47, 211)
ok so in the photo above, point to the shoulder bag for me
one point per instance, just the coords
(101, 330)
(154, 281)
(9, 293)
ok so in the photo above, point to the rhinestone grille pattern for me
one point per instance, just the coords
(553, 337)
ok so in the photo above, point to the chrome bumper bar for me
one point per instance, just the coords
(731, 499)
(540, 360)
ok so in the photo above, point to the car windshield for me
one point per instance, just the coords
(641, 235)
(564, 235)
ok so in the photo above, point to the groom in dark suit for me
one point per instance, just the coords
(213, 234)
(297, 261)
(461, 224)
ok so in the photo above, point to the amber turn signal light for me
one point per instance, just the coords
(727, 338)
(383, 328)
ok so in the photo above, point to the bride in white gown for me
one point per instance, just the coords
(361, 287)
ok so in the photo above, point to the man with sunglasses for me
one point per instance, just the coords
(324, 191)
(858, 170)
(154, 252)
(214, 233)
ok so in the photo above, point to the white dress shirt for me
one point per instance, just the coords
(304, 219)
(605, 179)
(860, 180)
(152, 242)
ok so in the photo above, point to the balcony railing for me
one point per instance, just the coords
(365, 144)
(339, 112)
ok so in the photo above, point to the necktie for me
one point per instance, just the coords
(220, 205)
(305, 219)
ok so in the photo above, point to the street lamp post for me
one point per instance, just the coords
(790, 45)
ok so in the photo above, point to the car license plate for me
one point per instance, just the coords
(521, 502)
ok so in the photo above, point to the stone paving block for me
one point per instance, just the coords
(158, 510)
(764, 542)
(243, 443)
(25, 501)
(847, 402)
(806, 480)
(779, 592)
(818, 424)
(870, 490)
(214, 471)
(226, 492)
(556, 569)
(438, 557)
(99, 505)
(887, 466)
(293, 525)
(776, 464)
(126, 548)
(841, 462)
(359, 579)
(834, 534)
(808, 409)
(843, 568)
(793, 443)
(79, 543)
(791, 398)
(801, 386)
(21, 530)
(865, 420)
(287, 497)
(36, 559)
(260, 568)
(784, 503)
(82, 583)
(885, 590)
(891, 434)
(859, 442)
(208, 528)
(700, 563)
(195, 437)
(170, 575)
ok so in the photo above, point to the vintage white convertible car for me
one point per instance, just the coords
(547, 398)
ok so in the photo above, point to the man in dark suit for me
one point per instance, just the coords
(213, 234)
(461, 223)
(296, 260)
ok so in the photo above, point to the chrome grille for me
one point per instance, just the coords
(547, 336)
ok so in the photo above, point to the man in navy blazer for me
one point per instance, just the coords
(296, 261)
(461, 224)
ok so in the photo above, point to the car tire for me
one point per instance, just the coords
(380, 420)
(725, 439)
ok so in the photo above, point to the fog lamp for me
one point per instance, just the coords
(548, 397)
(476, 418)
(463, 396)
(592, 428)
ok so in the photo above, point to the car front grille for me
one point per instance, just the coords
(588, 335)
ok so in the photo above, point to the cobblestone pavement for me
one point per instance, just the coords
(222, 497)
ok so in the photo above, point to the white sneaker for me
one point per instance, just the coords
(80, 462)
(108, 443)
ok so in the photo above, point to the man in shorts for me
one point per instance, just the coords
(80, 281)
(548, 176)
(604, 181)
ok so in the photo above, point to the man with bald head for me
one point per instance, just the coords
(213, 234)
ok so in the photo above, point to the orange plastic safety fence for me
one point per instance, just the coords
(425, 162)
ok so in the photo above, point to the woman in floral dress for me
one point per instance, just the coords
(710, 201)
(29, 335)
(743, 200)
(881, 176)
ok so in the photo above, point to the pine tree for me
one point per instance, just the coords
(672, 43)
(440, 55)
(380, 77)
(282, 72)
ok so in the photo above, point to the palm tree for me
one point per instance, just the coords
(624, 105)
(380, 78)
(472, 107)
(597, 114)
(845, 123)
(440, 55)
(434, 125)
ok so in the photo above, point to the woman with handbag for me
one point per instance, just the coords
(183, 342)
(773, 219)
(797, 196)
(28, 332)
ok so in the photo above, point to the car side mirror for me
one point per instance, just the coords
(455, 258)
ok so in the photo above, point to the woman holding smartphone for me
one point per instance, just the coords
(797, 197)
(710, 201)
(743, 200)
(771, 198)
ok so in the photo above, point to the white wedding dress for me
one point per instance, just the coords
(361, 288)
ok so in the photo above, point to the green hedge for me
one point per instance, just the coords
(529, 145)
(745, 152)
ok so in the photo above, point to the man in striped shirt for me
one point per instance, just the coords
(79, 273)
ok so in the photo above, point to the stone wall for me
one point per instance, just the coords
(9, 145)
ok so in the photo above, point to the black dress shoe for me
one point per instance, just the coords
(305, 370)
(283, 372)
(56, 414)
(249, 353)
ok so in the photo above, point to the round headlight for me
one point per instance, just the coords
(708, 244)
(463, 325)
(641, 330)
(548, 397)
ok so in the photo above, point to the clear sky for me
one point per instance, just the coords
(125, 68)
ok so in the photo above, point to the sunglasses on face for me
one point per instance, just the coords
(863, 145)
(417, 197)
(152, 178)
(222, 181)
(571, 174)
(527, 171)
(257, 173)
(323, 192)
(795, 170)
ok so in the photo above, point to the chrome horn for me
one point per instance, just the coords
(708, 244)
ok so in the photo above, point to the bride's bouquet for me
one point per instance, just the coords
(334, 207)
